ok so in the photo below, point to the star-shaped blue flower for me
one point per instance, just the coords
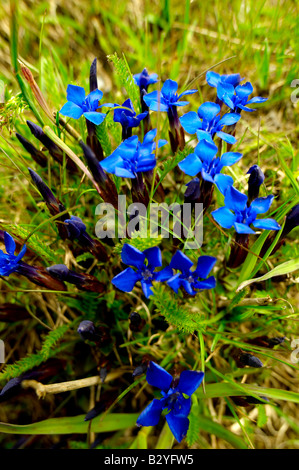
(8, 261)
(192, 281)
(78, 104)
(204, 161)
(126, 115)
(237, 99)
(145, 262)
(207, 122)
(172, 399)
(214, 78)
(132, 156)
(237, 214)
(167, 97)
(144, 79)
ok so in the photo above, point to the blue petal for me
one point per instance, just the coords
(213, 78)
(71, 110)
(224, 217)
(126, 280)
(225, 92)
(132, 256)
(206, 150)
(123, 172)
(257, 99)
(204, 135)
(235, 200)
(266, 224)
(182, 406)
(204, 266)
(228, 119)
(230, 158)
(153, 256)
(175, 283)
(9, 242)
(109, 163)
(21, 254)
(169, 88)
(178, 425)
(188, 287)
(243, 228)
(243, 91)
(187, 92)
(147, 288)
(180, 103)
(261, 204)
(151, 415)
(95, 95)
(191, 165)
(76, 94)
(223, 182)
(164, 274)
(189, 382)
(94, 117)
(181, 262)
(150, 136)
(158, 377)
(190, 122)
(209, 283)
(230, 139)
(208, 110)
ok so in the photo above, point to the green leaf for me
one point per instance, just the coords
(73, 425)
(282, 269)
(211, 427)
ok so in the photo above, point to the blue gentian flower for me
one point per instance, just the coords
(132, 156)
(238, 214)
(208, 122)
(144, 79)
(78, 104)
(172, 399)
(237, 98)
(145, 262)
(167, 97)
(126, 115)
(9, 262)
(214, 78)
(192, 281)
(204, 161)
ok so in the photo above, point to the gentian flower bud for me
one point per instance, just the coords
(292, 221)
(92, 139)
(54, 150)
(85, 282)
(256, 179)
(136, 322)
(39, 275)
(107, 186)
(266, 342)
(54, 205)
(141, 369)
(87, 330)
(246, 359)
(192, 192)
(38, 156)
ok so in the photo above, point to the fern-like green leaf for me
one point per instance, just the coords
(126, 79)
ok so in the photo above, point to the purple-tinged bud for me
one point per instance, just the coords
(176, 132)
(75, 227)
(249, 360)
(136, 322)
(239, 250)
(94, 412)
(85, 282)
(93, 164)
(54, 205)
(44, 190)
(93, 80)
(87, 330)
(266, 342)
(275, 341)
(292, 221)
(39, 275)
(192, 192)
(256, 179)
(139, 370)
(53, 148)
(38, 156)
